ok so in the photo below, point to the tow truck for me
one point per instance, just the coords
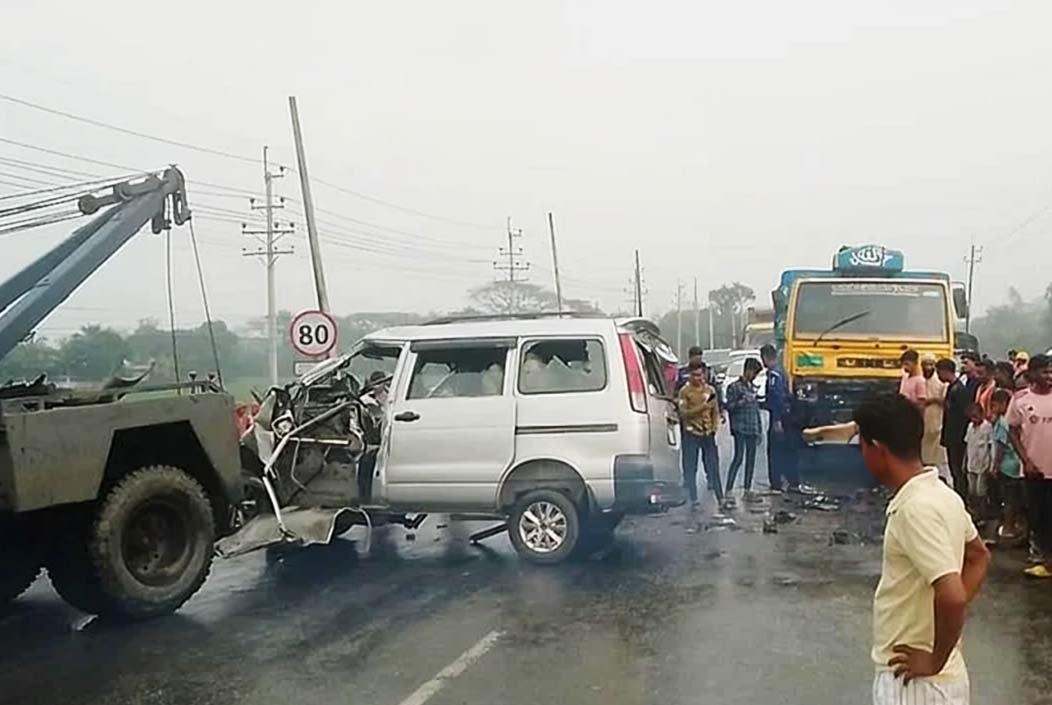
(121, 491)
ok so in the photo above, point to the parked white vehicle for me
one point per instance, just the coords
(557, 425)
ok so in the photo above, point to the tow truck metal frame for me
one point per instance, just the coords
(41, 286)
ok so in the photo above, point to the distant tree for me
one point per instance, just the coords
(93, 353)
(28, 360)
(521, 297)
(1016, 324)
(731, 300)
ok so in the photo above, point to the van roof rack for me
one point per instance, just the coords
(513, 317)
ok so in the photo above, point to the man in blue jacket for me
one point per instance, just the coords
(782, 435)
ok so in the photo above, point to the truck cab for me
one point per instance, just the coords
(842, 331)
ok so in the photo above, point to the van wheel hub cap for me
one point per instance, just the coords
(542, 527)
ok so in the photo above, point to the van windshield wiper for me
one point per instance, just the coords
(841, 323)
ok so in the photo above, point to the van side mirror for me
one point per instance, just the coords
(960, 301)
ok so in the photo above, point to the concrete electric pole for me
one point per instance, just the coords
(974, 257)
(513, 266)
(555, 265)
(679, 318)
(270, 253)
(697, 315)
(639, 287)
(320, 288)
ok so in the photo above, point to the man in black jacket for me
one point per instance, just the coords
(954, 422)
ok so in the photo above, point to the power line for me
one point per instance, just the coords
(238, 157)
(404, 209)
(99, 162)
(124, 130)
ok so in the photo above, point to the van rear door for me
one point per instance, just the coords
(659, 369)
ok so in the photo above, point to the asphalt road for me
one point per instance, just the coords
(675, 612)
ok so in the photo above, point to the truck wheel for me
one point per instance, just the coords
(544, 526)
(19, 567)
(152, 542)
(73, 573)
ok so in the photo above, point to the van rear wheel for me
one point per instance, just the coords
(544, 527)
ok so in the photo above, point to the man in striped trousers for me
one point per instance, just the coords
(934, 564)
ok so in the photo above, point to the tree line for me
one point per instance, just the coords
(96, 352)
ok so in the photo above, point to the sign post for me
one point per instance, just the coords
(313, 335)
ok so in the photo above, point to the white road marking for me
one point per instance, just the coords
(427, 690)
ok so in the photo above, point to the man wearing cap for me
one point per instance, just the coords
(1021, 361)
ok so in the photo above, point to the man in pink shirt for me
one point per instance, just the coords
(913, 386)
(1030, 430)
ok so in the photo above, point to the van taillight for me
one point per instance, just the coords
(637, 391)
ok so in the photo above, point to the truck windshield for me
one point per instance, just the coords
(895, 310)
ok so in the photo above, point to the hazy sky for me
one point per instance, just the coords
(727, 141)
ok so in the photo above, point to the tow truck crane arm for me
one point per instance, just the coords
(40, 287)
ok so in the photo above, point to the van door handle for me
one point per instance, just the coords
(407, 416)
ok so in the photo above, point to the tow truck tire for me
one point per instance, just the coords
(544, 527)
(19, 567)
(72, 571)
(152, 542)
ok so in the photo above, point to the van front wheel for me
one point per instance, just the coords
(544, 527)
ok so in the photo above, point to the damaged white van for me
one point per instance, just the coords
(555, 426)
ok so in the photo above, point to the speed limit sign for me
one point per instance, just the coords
(313, 333)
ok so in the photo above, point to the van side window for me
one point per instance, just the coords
(565, 365)
(458, 372)
(656, 382)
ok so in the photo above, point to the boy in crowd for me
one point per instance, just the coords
(744, 411)
(954, 422)
(1030, 428)
(700, 417)
(1010, 474)
(985, 376)
(979, 440)
(934, 564)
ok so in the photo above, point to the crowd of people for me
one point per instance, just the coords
(702, 410)
(988, 430)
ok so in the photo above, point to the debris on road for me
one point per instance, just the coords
(822, 503)
(770, 526)
(784, 517)
(840, 537)
(721, 523)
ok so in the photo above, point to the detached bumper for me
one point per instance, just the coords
(637, 491)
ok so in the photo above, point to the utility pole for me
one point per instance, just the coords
(555, 265)
(513, 266)
(270, 253)
(639, 288)
(712, 326)
(308, 210)
(974, 257)
(679, 318)
(697, 315)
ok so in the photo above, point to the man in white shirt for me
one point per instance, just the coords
(934, 564)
